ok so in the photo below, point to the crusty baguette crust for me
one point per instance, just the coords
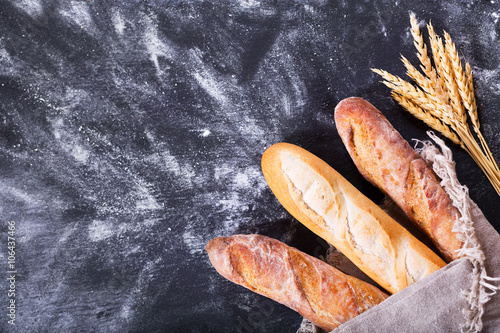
(325, 202)
(387, 160)
(318, 291)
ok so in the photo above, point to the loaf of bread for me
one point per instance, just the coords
(388, 161)
(318, 291)
(325, 202)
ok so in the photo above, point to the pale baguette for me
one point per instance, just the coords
(318, 291)
(325, 202)
(387, 160)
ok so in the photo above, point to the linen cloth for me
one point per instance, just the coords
(462, 296)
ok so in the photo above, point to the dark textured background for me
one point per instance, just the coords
(131, 134)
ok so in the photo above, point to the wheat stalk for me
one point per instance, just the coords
(443, 96)
(422, 55)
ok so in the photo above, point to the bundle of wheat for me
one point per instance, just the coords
(443, 96)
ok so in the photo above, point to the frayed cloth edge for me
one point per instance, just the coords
(482, 288)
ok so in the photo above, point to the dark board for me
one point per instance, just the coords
(131, 134)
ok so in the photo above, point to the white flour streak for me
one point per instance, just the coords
(133, 250)
(215, 86)
(4, 55)
(210, 85)
(100, 230)
(145, 276)
(31, 7)
(286, 105)
(490, 28)
(145, 200)
(250, 178)
(65, 103)
(70, 143)
(249, 4)
(495, 16)
(156, 47)
(194, 242)
(170, 164)
(66, 233)
(309, 9)
(167, 162)
(79, 153)
(222, 172)
(57, 127)
(490, 79)
(287, 88)
(231, 204)
(126, 311)
(244, 181)
(78, 13)
(383, 30)
(118, 22)
(232, 207)
(28, 201)
(299, 88)
(241, 181)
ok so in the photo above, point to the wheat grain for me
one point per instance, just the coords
(426, 117)
(437, 56)
(418, 96)
(422, 54)
(471, 100)
(436, 106)
(460, 78)
(451, 66)
(418, 77)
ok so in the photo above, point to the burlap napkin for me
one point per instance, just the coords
(460, 297)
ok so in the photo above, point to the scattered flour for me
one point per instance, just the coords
(67, 232)
(79, 152)
(100, 230)
(249, 4)
(71, 143)
(27, 200)
(194, 242)
(205, 132)
(118, 22)
(32, 7)
(157, 46)
(241, 180)
(135, 295)
(78, 12)
(145, 200)
(487, 79)
(211, 86)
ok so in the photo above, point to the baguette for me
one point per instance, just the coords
(325, 202)
(387, 160)
(318, 291)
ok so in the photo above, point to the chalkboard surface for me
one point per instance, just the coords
(131, 134)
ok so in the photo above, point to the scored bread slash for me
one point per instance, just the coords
(319, 292)
(326, 203)
(388, 161)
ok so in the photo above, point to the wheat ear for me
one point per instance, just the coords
(443, 96)
(422, 54)
(452, 69)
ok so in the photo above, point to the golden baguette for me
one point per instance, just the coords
(388, 161)
(318, 291)
(325, 202)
